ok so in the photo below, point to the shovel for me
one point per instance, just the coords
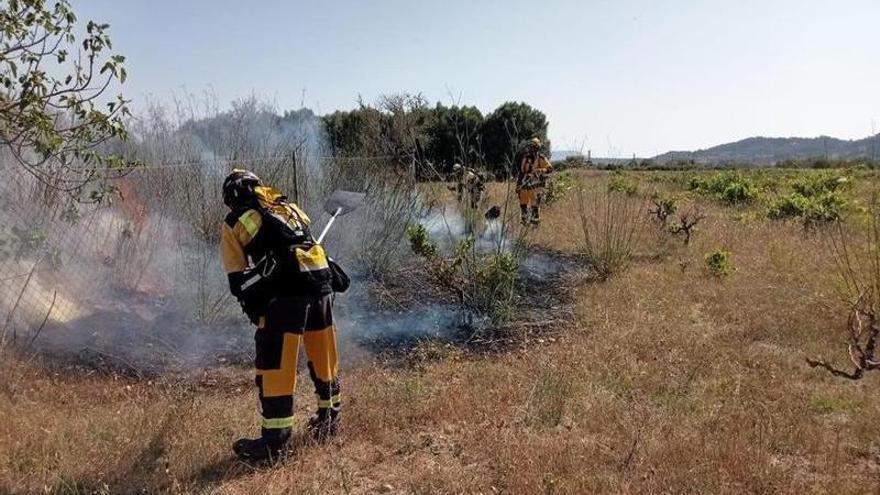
(340, 203)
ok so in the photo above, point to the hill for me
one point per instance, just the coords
(765, 150)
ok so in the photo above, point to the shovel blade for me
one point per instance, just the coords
(343, 202)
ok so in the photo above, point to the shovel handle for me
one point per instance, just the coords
(329, 223)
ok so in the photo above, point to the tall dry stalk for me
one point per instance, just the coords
(612, 225)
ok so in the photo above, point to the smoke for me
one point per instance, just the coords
(137, 284)
(447, 225)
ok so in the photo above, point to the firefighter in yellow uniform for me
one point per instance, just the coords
(281, 277)
(469, 184)
(531, 180)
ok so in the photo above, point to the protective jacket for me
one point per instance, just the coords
(533, 171)
(268, 251)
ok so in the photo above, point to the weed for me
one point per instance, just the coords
(822, 405)
(420, 242)
(550, 396)
(720, 263)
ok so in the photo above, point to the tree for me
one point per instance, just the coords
(454, 136)
(505, 130)
(393, 130)
(54, 116)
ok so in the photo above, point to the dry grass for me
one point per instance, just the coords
(669, 381)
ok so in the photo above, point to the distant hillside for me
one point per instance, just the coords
(763, 150)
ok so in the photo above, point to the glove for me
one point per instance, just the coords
(253, 311)
(253, 297)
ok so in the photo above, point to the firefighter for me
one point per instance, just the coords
(281, 277)
(531, 180)
(469, 184)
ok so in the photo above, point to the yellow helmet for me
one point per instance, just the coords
(535, 142)
(456, 167)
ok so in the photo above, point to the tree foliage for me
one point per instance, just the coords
(455, 136)
(507, 127)
(436, 137)
(54, 111)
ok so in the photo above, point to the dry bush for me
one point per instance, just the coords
(612, 225)
(662, 207)
(393, 201)
(856, 252)
(686, 223)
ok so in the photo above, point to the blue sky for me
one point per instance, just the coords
(618, 77)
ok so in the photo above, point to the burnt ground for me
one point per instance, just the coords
(141, 336)
(406, 317)
(542, 309)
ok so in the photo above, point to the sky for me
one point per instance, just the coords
(617, 77)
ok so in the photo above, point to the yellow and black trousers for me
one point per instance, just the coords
(289, 321)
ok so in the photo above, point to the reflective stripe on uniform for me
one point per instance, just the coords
(277, 423)
(331, 402)
(250, 225)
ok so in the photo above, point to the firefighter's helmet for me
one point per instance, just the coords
(535, 143)
(238, 188)
(456, 167)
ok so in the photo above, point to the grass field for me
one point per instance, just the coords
(667, 379)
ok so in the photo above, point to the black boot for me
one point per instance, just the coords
(524, 214)
(323, 425)
(536, 215)
(271, 446)
(258, 449)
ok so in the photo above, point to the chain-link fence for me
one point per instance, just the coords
(136, 281)
(130, 280)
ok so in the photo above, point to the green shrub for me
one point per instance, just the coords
(496, 285)
(824, 208)
(730, 187)
(557, 187)
(719, 263)
(622, 183)
(420, 241)
(698, 183)
(793, 205)
(828, 207)
(739, 192)
(483, 282)
(812, 185)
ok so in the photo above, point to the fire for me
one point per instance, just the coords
(41, 301)
(63, 310)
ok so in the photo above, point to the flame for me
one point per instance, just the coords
(64, 309)
(39, 301)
